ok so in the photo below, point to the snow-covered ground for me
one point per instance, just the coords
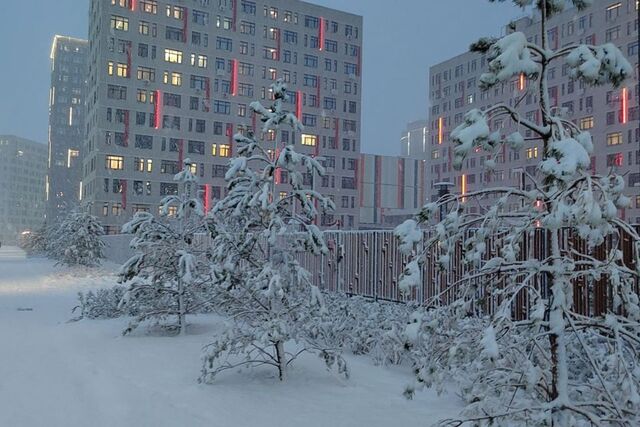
(55, 373)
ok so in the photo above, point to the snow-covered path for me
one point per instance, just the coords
(55, 373)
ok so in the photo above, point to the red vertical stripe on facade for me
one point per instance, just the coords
(337, 131)
(623, 106)
(361, 186)
(234, 77)
(207, 198)
(378, 180)
(279, 44)
(126, 128)
(180, 153)
(400, 183)
(185, 24)
(321, 34)
(359, 63)
(253, 121)
(128, 60)
(157, 108)
(299, 105)
(235, 14)
(133, 5)
(318, 93)
(207, 94)
(123, 183)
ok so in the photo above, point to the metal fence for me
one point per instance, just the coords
(369, 264)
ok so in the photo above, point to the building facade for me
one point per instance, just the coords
(414, 141)
(23, 166)
(392, 189)
(610, 115)
(67, 110)
(173, 80)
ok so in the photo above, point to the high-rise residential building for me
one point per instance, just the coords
(67, 109)
(610, 114)
(171, 81)
(23, 166)
(414, 141)
(392, 189)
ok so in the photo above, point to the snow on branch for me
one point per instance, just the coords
(508, 57)
(598, 65)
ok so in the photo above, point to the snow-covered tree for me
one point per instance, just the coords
(257, 232)
(76, 240)
(556, 366)
(36, 242)
(167, 276)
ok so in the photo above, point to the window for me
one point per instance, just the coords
(144, 142)
(176, 34)
(116, 92)
(223, 43)
(248, 7)
(350, 69)
(348, 183)
(172, 55)
(311, 61)
(311, 21)
(199, 17)
(309, 140)
(614, 138)
(114, 162)
(532, 153)
(290, 37)
(173, 78)
(176, 12)
(149, 6)
(196, 147)
(586, 123)
(225, 150)
(309, 120)
(119, 23)
(221, 107)
(145, 73)
(172, 100)
(613, 11)
(248, 28)
(331, 46)
(141, 96)
(218, 171)
(615, 159)
(168, 189)
(612, 33)
(199, 60)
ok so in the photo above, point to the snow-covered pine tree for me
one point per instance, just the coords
(167, 275)
(261, 286)
(556, 366)
(76, 240)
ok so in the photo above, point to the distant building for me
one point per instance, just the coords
(611, 115)
(392, 189)
(67, 109)
(23, 165)
(414, 141)
(174, 80)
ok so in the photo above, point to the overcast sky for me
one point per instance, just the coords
(402, 39)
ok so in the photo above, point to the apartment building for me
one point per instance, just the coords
(414, 141)
(611, 115)
(23, 166)
(170, 81)
(392, 189)
(67, 110)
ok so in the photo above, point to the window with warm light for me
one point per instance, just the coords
(309, 140)
(173, 55)
(614, 138)
(214, 149)
(119, 23)
(114, 162)
(532, 153)
(149, 165)
(225, 150)
(71, 156)
(586, 123)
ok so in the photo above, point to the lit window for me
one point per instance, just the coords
(199, 60)
(614, 138)
(435, 154)
(283, 194)
(532, 153)
(71, 155)
(122, 70)
(110, 68)
(149, 165)
(309, 140)
(586, 123)
(119, 23)
(173, 55)
(114, 162)
(172, 78)
(214, 149)
(193, 168)
(225, 150)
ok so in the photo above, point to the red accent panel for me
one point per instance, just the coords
(124, 193)
(299, 105)
(359, 61)
(207, 94)
(234, 77)
(337, 131)
(126, 128)
(321, 34)
(279, 44)
(207, 198)
(185, 24)
(229, 132)
(360, 183)
(180, 153)
(128, 49)
(133, 5)
(318, 93)
(235, 14)
(593, 164)
(253, 121)
(378, 180)
(157, 109)
(316, 149)
(623, 106)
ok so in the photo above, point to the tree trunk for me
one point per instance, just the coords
(282, 360)
(181, 309)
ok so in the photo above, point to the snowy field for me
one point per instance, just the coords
(55, 373)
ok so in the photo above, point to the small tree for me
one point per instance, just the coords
(261, 285)
(166, 277)
(76, 240)
(556, 366)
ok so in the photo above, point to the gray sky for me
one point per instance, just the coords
(402, 39)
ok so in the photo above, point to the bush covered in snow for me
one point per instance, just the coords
(76, 240)
(103, 303)
(554, 365)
